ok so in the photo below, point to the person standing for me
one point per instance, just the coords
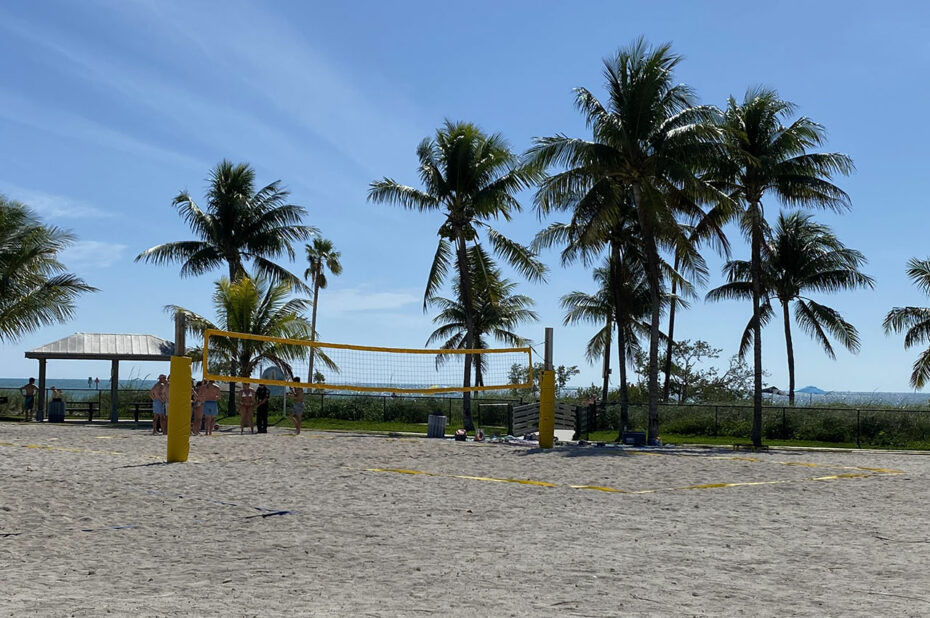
(97, 383)
(89, 382)
(262, 396)
(159, 396)
(28, 391)
(246, 408)
(297, 409)
(197, 408)
(210, 393)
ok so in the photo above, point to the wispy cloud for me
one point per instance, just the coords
(87, 254)
(277, 64)
(207, 117)
(31, 113)
(356, 299)
(52, 206)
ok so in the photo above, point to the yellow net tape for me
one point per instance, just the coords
(347, 367)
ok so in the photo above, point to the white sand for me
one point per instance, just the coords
(358, 542)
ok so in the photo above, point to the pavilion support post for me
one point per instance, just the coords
(40, 405)
(114, 391)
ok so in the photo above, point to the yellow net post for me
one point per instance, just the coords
(179, 399)
(547, 398)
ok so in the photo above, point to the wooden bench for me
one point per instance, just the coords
(138, 407)
(88, 407)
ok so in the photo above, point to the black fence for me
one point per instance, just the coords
(388, 408)
(863, 427)
(91, 404)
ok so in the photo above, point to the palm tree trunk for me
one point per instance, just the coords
(604, 390)
(790, 347)
(624, 392)
(671, 335)
(756, 274)
(316, 296)
(465, 286)
(236, 269)
(620, 317)
(655, 294)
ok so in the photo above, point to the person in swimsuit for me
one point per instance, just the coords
(297, 409)
(28, 391)
(159, 396)
(210, 394)
(247, 405)
(197, 409)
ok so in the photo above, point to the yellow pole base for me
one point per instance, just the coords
(547, 409)
(179, 409)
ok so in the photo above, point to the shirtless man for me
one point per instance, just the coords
(28, 391)
(159, 396)
(297, 410)
(210, 394)
(247, 407)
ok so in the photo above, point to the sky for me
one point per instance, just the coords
(109, 108)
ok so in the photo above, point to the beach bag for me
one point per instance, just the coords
(460, 435)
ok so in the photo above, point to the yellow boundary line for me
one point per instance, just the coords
(857, 472)
(613, 490)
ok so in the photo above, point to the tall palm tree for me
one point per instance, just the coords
(470, 178)
(650, 141)
(321, 255)
(255, 307)
(914, 322)
(802, 256)
(497, 312)
(35, 290)
(767, 154)
(239, 224)
(629, 307)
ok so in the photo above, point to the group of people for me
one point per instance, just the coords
(205, 396)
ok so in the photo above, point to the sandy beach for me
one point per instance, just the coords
(93, 522)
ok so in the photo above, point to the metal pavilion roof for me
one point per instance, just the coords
(104, 346)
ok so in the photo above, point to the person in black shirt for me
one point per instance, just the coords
(262, 395)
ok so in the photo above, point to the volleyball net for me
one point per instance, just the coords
(345, 367)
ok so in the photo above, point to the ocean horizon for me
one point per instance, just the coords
(853, 398)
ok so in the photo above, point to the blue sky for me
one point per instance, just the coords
(109, 108)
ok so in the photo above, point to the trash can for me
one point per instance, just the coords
(56, 411)
(436, 426)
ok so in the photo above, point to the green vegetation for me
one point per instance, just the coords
(35, 290)
(240, 223)
(800, 257)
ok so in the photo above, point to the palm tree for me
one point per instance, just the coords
(239, 224)
(629, 307)
(35, 290)
(649, 142)
(802, 256)
(470, 178)
(764, 153)
(914, 322)
(321, 255)
(255, 307)
(497, 312)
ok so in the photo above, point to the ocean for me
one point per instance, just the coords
(70, 384)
